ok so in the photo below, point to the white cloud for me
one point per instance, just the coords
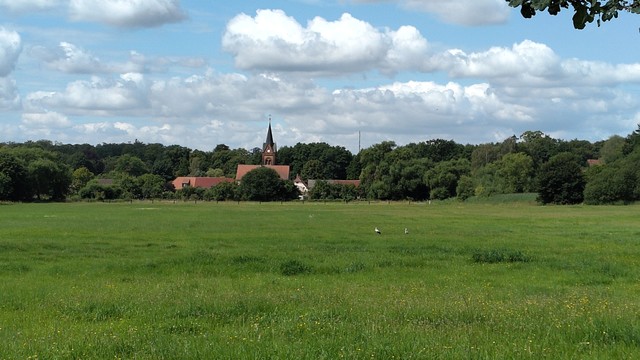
(525, 58)
(72, 59)
(201, 111)
(9, 97)
(68, 58)
(45, 120)
(22, 6)
(463, 12)
(349, 45)
(505, 91)
(407, 51)
(273, 41)
(460, 12)
(98, 97)
(127, 13)
(10, 49)
(44, 125)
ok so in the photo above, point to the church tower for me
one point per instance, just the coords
(269, 148)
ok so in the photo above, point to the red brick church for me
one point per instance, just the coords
(268, 160)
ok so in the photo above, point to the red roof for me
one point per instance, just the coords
(282, 170)
(198, 181)
(355, 183)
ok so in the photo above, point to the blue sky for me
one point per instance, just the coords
(202, 73)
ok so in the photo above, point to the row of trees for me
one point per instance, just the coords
(436, 169)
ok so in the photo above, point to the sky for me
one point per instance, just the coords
(349, 73)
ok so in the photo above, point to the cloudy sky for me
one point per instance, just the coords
(201, 73)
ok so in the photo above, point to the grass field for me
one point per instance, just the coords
(147, 280)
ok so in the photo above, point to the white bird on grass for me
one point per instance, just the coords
(377, 231)
(406, 231)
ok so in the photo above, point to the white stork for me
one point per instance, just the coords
(377, 231)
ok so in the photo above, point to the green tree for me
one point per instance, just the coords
(175, 161)
(612, 149)
(288, 191)
(130, 165)
(49, 180)
(191, 193)
(222, 191)
(539, 146)
(262, 184)
(195, 166)
(354, 168)
(516, 172)
(484, 154)
(443, 150)
(609, 184)
(13, 178)
(443, 178)
(80, 177)
(560, 180)
(313, 169)
(349, 192)
(129, 185)
(632, 142)
(410, 181)
(333, 161)
(95, 191)
(585, 11)
(465, 188)
(618, 181)
(217, 172)
(582, 148)
(486, 181)
(151, 186)
(322, 190)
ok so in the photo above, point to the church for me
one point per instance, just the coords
(269, 153)
(268, 160)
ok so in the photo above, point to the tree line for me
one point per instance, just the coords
(559, 171)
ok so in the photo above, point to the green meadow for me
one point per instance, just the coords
(185, 280)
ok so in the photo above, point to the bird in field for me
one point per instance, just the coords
(377, 231)
(406, 231)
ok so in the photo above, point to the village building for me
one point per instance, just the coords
(302, 187)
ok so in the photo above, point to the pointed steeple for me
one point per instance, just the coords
(269, 140)
(269, 148)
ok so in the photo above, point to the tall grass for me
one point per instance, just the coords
(313, 281)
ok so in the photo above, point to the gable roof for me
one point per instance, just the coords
(198, 181)
(282, 170)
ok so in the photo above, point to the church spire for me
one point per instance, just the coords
(269, 148)
(269, 140)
